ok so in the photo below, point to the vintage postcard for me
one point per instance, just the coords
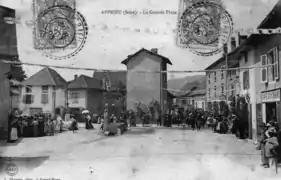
(140, 89)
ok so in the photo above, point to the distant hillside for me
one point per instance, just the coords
(180, 83)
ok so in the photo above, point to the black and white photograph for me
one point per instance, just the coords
(140, 89)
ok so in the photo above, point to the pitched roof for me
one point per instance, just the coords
(271, 21)
(116, 79)
(198, 89)
(45, 77)
(166, 60)
(230, 61)
(84, 82)
(170, 94)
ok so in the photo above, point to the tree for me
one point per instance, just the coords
(154, 108)
(16, 72)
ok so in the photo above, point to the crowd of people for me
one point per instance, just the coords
(32, 126)
(42, 124)
(24, 126)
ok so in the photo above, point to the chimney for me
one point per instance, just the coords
(154, 50)
(75, 76)
(242, 38)
(233, 43)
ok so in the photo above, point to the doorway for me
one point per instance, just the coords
(271, 112)
(34, 111)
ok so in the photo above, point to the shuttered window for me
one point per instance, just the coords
(215, 77)
(264, 75)
(246, 82)
(45, 95)
(270, 68)
(276, 63)
(28, 99)
(74, 97)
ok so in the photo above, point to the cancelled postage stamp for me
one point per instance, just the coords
(62, 46)
(204, 28)
(54, 26)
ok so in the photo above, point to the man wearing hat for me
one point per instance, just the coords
(268, 142)
(271, 145)
(74, 124)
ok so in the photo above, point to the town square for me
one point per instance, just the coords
(87, 92)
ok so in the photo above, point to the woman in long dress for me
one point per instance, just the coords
(59, 123)
(14, 131)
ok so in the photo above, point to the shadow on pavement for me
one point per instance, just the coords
(94, 140)
(139, 131)
(22, 163)
(5, 143)
(180, 128)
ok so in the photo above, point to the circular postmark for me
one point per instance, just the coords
(11, 169)
(63, 32)
(204, 28)
(59, 32)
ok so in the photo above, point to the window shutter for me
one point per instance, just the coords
(244, 79)
(27, 99)
(24, 99)
(44, 98)
(264, 74)
(246, 83)
(276, 63)
(31, 99)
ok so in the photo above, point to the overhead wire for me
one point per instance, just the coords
(137, 71)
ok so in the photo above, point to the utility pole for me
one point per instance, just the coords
(226, 72)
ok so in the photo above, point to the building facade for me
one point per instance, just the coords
(43, 92)
(222, 85)
(196, 97)
(261, 85)
(85, 93)
(216, 84)
(145, 86)
(8, 50)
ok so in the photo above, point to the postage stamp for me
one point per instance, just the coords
(80, 36)
(204, 28)
(54, 26)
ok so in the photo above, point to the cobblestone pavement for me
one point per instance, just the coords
(143, 154)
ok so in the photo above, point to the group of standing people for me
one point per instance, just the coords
(195, 119)
(219, 123)
(269, 144)
(41, 124)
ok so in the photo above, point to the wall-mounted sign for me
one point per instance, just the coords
(271, 96)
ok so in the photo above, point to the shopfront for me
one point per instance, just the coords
(271, 105)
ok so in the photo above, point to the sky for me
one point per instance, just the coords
(113, 37)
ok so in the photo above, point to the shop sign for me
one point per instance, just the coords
(271, 96)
